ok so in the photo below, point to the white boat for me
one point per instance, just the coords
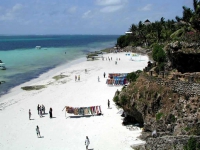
(38, 47)
(2, 65)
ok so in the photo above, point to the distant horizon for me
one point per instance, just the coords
(52, 34)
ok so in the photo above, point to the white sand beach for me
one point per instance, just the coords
(105, 132)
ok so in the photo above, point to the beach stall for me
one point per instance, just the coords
(83, 111)
(117, 79)
(137, 57)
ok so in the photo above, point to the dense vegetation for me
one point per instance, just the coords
(185, 28)
(192, 144)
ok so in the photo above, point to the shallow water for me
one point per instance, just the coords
(24, 62)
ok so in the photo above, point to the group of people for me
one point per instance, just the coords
(77, 78)
(41, 110)
(109, 58)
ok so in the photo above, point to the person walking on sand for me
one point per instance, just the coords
(38, 109)
(38, 131)
(87, 142)
(108, 103)
(98, 79)
(104, 74)
(29, 113)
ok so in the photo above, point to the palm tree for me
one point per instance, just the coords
(157, 26)
(187, 14)
(195, 18)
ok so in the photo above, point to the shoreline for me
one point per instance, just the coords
(41, 77)
(19, 132)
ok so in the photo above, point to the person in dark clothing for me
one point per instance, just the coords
(29, 114)
(104, 74)
(108, 103)
(38, 109)
(38, 131)
(50, 112)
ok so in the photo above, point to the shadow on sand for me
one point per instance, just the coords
(41, 137)
(52, 117)
(81, 116)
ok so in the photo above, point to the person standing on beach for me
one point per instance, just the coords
(38, 131)
(50, 112)
(38, 109)
(108, 103)
(29, 113)
(75, 77)
(78, 77)
(104, 74)
(98, 79)
(87, 142)
(43, 108)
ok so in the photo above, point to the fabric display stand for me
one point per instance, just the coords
(83, 111)
(117, 79)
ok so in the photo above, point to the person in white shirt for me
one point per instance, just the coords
(87, 142)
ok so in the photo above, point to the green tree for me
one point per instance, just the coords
(158, 53)
(123, 40)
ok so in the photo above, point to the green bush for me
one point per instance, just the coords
(123, 100)
(187, 129)
(192, 144)
(116, 99)
(172, 118)
(161, 66)
(131, 77)
(158, 116)
(158, 54)
(138, 71)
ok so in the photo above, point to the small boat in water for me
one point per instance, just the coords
(38, 47)
(2, 65)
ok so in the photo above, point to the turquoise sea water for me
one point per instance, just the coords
(24, 62)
